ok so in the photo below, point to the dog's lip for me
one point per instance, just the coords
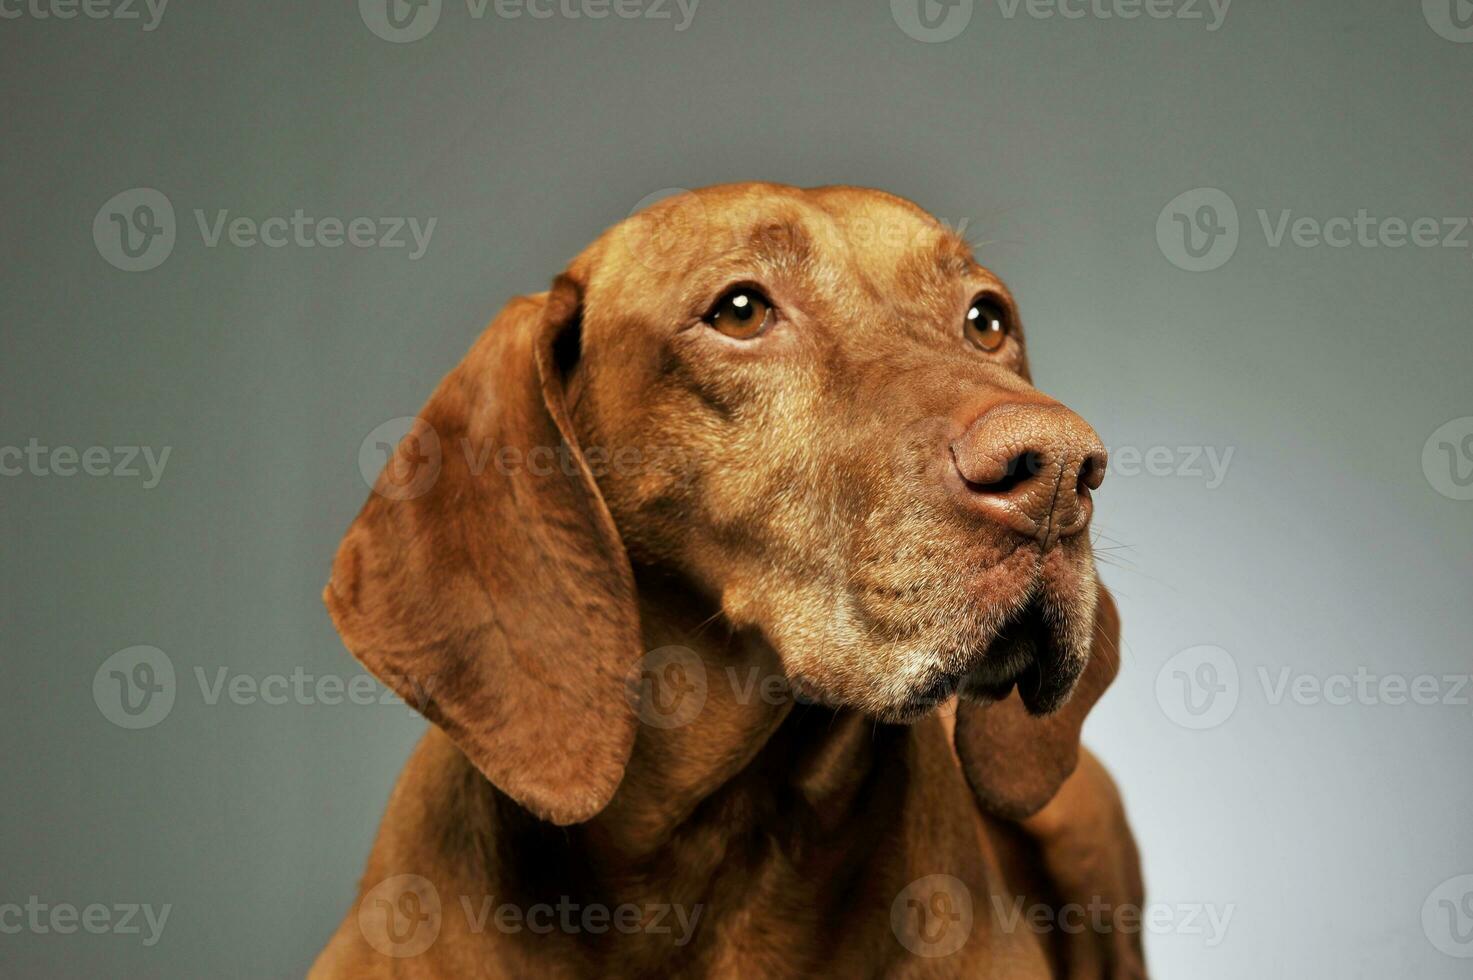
(1027, 655)
(1044, 691)
(989, 691)
(923, 699)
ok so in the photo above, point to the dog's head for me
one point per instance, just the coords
(812, 406)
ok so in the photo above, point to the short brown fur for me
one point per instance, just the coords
(781, 508)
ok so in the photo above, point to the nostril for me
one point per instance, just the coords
(1092, 473)
(1018, 471)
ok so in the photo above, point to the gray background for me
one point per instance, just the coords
(1326, 547)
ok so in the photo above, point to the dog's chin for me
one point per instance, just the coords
(1039, 651)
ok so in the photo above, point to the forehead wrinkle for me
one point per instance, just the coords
(767, 237)
(778, 244)
(782, 267)
(773, 249)
(906, 275)
(928, 277)
(845, 273)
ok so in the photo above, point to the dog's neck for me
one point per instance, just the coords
(749, 750)
(756, 805)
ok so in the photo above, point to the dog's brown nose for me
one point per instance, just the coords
(1030, 467)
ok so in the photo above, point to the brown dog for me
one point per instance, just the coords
(783, 441)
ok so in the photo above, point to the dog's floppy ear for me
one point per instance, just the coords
(485, 582)
(1016, 762)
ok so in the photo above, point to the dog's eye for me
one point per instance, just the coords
(741, 314)
(987, 324)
